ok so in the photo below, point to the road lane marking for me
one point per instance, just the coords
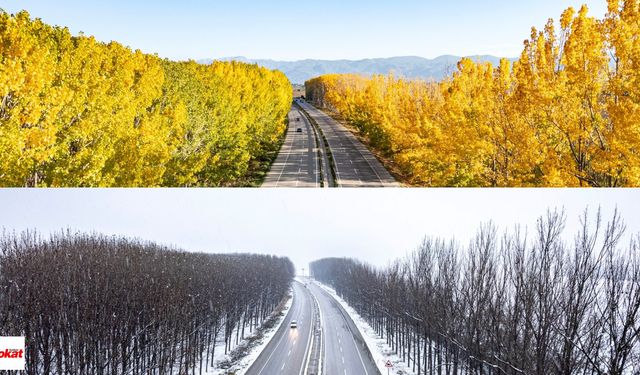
(307, 354)
(285, 160)
(339, 129)
(310, 109)
(281, 337)
(344, 318)
(353, 142)
(284, 364)
(321, 328)
(311, 149)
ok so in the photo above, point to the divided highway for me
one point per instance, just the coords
(353, 165)
(343, 349)
(297, 161)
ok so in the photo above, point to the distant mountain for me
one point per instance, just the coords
(408, 66)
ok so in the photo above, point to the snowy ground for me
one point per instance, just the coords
(255, 346)
(378, 347)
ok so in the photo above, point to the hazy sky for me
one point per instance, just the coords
(299, 29)
(373, 225)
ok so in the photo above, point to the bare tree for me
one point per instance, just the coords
(517, 304)
(90, 304)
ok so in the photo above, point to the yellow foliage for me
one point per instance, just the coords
(566, 113)
(77, 112)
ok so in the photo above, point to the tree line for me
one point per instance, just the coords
(92, 304)
(78, 112)
(566, 113)
(514, 304)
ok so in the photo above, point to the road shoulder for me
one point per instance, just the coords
(380, 351)
(244, 363)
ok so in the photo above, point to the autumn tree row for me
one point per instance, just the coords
(78, 112)
(90, 304)
(511, 304)
(566, 113)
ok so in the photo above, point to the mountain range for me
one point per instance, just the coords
(411, 67)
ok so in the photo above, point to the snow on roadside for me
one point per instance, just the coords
(240, 366)
(378, 347)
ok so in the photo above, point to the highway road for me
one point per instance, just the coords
(343, 349)
(287, 352)
(345, 352)
(355, 166)
(297, 162)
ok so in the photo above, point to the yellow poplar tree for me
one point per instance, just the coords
(622, 25)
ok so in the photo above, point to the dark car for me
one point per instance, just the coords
(299, 130)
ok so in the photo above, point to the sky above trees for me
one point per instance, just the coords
(303, 225)
(292, 30)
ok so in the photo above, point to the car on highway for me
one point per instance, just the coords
(299, 130)
(297, 119)
(294, 324)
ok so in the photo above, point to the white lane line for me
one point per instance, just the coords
(307, 353)
(321, 344)
(282, 337)
(352, 139)
(353, 142)
(311, 109)
(289, 354)
(284, 364)
(358, 351)
(311, 133)
(344, 318)
(287, 158)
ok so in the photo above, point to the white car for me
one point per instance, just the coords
(294, 324)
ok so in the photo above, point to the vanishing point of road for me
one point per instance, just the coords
(306, 160)
(343, 350)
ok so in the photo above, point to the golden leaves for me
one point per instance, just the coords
(565, 114)
(77, 112)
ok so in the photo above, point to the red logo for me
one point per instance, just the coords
(11, 353)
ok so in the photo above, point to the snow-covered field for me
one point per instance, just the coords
(241, 365)
(378, 347)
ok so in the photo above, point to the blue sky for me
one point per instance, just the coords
(375, 225)
(299, 29)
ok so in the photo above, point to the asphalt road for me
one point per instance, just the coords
(297, 163)
(286, 353)
(354, 165)
(344, 351)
